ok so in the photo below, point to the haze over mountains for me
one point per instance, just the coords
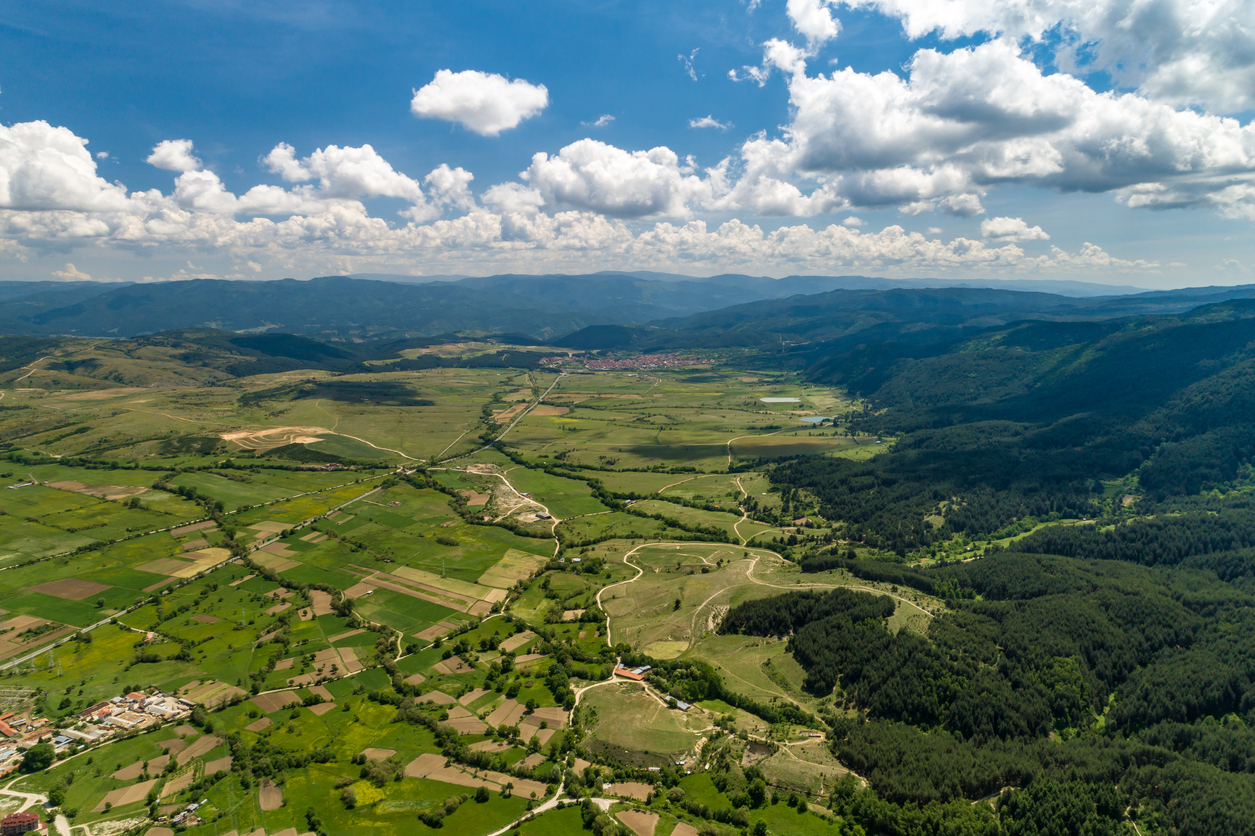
(553, 306)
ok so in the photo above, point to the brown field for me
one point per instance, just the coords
(468, 725)
(219, 765)
(683, 829)
(206, 619)
(642, 824)
(322, 708)
(507, 714)
(630, 789)
(516, 641)
(320, 602)
(435, 631)
(504, 416)
(378, 754)
(424, 765)
(556, 717)
(72, 588)
(9, 643)
(438, 697)
(474, 499)
(164, 566)
(270, 797)
(174, 746)
(212, 693)
(188, 529)
(258, 726)
(470, 696)
(269, 703)
(415, 679)
(126, 795)
(113, 492)
(513, 567)
(129, 773)
(321, 691)
(200, 747)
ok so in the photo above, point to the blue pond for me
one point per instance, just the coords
(816, 419)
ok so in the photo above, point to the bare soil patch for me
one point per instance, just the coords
(630, 789)
(378, 754)
(642, 824)
(270, 703)
(200, 747)
(424, 765)
(272, 437)
(259, 726)
(126, 795)
(73, 588)
(188, 529)
(435, 631)
(270, 797)
(206, 619)
(322, 708)
(516, 641)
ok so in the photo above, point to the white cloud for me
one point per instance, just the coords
(962, 205)
(42, 168)
(687, 61)
(71, 274)
(854, 221)
(982, 117)
(709, 122)
(600, 122)
(485, 103)
(451, 186)
(813, 20)
(594, 176)
(1178, 51)
(1011, 229)
(102, 155)
(174, 155)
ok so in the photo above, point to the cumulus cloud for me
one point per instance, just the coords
(709, 122)
(174, 155)
(980, 117)
(854, 221)
(71, 274)
(1179, 51)
(813, 20)
(600, 122)
(595, 176)
(1011, 229)
(485, 103)
(44, 168)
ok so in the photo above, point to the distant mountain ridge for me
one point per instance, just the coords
(728, 309)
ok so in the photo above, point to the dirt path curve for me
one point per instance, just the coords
(553, 529)
(639, 572)
(690, 479)
(906, 601)
(32, 368)
(739, 437)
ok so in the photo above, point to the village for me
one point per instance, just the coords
(127, 713)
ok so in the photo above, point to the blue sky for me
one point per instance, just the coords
(881, 137)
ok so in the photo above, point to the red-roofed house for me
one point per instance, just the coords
(18, 823)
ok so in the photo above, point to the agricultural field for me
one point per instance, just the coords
(347, 584)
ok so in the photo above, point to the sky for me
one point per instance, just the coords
(1096, 140)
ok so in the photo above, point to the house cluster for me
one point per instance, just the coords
(19, 732)
(136, 710)
(637, 362)
(187, 816)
